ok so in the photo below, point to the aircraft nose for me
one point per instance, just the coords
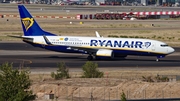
(171, 50)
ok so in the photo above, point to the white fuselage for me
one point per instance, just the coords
(96, 43)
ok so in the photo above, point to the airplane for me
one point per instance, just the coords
(94, 47)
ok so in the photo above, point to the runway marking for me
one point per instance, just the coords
(12, 52)
(7, 52)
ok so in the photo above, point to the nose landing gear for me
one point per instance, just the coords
(158, 57)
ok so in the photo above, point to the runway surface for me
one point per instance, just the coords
(42, 60)
(40, 8)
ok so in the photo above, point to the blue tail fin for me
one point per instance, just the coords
(29, 25)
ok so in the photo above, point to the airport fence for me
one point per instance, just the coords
(104, 94)
(105, 89)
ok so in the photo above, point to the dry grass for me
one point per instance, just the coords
(109, 87)
(126, 74)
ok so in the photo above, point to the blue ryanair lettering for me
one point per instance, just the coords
(126, 44)
(93, 43)
(132, 44)
(102, 42)
(117, 44)
(109, 43)
(138, 44)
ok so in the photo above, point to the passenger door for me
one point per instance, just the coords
(153, 46)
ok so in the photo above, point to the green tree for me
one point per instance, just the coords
(123, 96)
(14, 84)
(90, 70)
(61, 73)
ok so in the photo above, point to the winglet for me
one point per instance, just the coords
(97, 34)
(46, 40)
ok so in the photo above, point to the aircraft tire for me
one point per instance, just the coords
(90, 58)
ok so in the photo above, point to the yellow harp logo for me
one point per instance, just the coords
(27, 22)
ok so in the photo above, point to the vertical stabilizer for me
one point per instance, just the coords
(29, 24)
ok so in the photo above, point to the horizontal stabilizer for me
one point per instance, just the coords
(23, 38)
(15, 36)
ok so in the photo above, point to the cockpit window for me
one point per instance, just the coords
(164, 45)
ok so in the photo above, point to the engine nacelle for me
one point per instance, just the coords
(104, 52)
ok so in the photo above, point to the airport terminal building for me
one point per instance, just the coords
(160, 2)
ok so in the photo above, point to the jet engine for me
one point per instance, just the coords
(104, 52)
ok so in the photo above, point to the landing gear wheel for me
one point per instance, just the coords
(90, 58)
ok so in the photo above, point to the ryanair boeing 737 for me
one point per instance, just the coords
(93, 46)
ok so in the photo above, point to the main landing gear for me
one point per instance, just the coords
(90, 57)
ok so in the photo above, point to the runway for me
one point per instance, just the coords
(42, 8)
(43, 60)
